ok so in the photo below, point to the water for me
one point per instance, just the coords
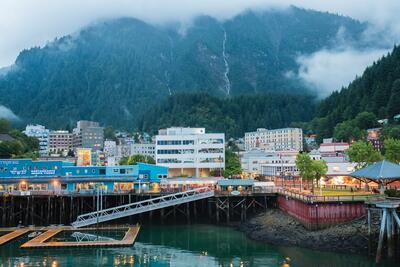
(180, 245)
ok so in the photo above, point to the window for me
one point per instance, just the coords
(122, 171)
(102, 171)
(115, 170)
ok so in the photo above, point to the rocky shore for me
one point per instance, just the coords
(278, 228)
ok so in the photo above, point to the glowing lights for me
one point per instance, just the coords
(55, 183)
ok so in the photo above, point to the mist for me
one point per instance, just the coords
(6, 113)
(26, 23)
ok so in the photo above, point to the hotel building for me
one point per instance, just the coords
(190, 151)
(275, 140)
(60, 142)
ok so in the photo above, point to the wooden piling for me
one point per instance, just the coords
(381, 237)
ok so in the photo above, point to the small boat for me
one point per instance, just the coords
(34, 234)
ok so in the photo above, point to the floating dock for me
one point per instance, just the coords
(12, 233)
(40, 241)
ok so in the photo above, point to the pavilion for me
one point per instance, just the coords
(382, 172)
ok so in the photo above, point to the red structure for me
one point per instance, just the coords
(322, 214)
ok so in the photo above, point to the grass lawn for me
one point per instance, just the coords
(339, 192)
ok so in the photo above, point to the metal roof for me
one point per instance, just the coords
(379, 171)
(235, 182)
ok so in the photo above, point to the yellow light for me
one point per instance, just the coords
(55, 182)
(23, 182)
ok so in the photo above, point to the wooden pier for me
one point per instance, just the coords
(12, 234)
(40, 241)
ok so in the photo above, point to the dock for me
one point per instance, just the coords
(40, 241)
(13, 234)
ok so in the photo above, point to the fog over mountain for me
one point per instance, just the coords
(28, 23)
(272, 50)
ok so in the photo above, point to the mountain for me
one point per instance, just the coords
(233, 116)
(118, 70)
(377, 91)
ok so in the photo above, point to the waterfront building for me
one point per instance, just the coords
(88, 134)
(190, 151)
(42, 134)
(280, 165)
(147, 149)
(29, 175)
(60, 142)
(277, 139)
(252, 160)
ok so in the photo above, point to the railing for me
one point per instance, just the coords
(339, 198)
(142, 206)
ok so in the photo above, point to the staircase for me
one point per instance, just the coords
(142, 206)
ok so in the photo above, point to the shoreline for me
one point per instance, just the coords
(278, 228)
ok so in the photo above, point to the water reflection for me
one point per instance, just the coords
(182, 245)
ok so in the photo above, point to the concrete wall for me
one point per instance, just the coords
(321, 215)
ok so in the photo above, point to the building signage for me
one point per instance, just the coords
(18, 172)
(43, 172)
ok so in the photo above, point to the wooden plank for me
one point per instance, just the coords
(13, 235)
(40, 241)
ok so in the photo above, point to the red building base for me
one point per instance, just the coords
(322, 214)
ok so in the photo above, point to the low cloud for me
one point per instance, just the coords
(6, 113)
(329, 70)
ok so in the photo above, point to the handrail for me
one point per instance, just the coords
(142, 206)
(315, 198)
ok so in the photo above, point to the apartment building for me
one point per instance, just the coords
(147, 149)
(60, 142)
(42, 134)
(88, 134)
(190, 151)
(275, 140)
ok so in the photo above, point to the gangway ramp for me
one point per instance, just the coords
(142, 206)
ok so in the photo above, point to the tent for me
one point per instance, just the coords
(382, 172)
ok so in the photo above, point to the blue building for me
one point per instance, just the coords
(29, 175)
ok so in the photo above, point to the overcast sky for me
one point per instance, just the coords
(27, 23)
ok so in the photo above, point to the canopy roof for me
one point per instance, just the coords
(381, 170)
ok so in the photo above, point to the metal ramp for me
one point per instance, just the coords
(142, 206)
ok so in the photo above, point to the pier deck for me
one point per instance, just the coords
(40, 241)
(15, 233)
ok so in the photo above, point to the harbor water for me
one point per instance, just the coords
(181, 245)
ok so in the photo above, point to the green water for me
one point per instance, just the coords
(180, 245)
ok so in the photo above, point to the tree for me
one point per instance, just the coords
(109, 133)
(135, 159)
(320, 169)
(305, 166)
(347, 131)
(363, 153)
(4, 126)
(392, 150)
(365, 120)
(232, 164)
(391, 131)
(393, 107)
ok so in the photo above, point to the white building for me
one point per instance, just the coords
(42, 134)
(278, 165)
(252, 160)
(110, 148)
(276, 140)
(190, 151)
(147, 149)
